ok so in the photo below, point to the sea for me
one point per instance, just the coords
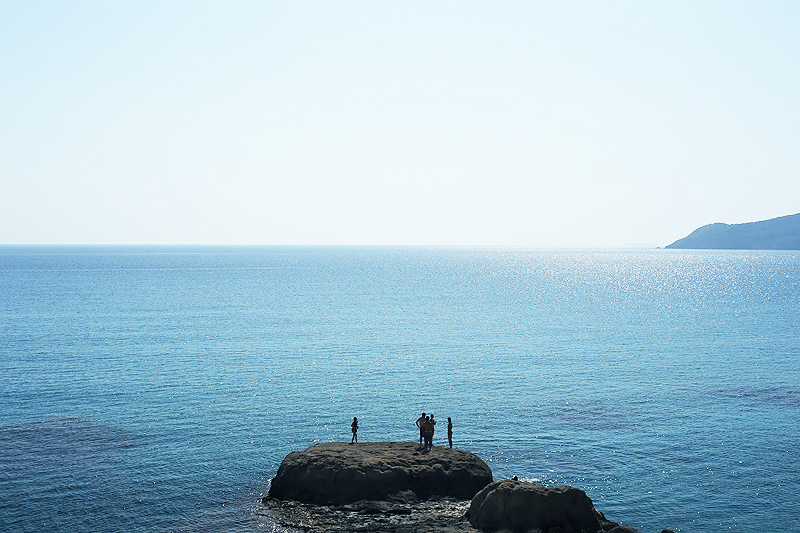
(157, 389)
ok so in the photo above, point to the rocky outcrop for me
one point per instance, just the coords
(521, 506)
(339, 473)
(394, 487)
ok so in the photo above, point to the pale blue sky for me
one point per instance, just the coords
(452, 122)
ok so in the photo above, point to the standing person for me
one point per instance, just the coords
(449, 431)
(419, 423)
(354, 427)
(428, 431)
(433, 429)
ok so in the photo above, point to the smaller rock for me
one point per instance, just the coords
(521, 506)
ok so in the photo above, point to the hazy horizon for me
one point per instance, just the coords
(457, 123)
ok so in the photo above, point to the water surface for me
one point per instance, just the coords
(157, 389)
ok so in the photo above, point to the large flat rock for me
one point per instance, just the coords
(339, 473)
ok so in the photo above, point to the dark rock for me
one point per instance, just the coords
(521, 506)
(378, 507)
(339, 473)
(372, 509)
(623, 529)
(605, 524)
(443, 515)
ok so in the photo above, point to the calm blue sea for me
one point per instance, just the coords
(157, 389)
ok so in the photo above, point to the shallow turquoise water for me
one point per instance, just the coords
(157, 389)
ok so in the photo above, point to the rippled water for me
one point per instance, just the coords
(158, 389)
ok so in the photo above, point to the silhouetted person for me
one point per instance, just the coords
(450, 431)
(354, 427)
(433, 428)
(427, 428)
(419, 423)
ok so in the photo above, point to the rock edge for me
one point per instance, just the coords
(338, 473)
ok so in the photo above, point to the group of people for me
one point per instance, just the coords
(427, 427)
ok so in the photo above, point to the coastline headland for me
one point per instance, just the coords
(782, 233)
(399, 487)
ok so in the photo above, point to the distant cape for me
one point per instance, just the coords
(782, 233)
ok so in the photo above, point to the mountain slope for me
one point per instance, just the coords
(782, 233)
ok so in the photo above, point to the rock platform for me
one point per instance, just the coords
(338, 473)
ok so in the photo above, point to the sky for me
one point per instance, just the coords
(611, 123)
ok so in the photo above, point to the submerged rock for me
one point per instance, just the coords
(521, 506)
(339, 473)
(441, 515)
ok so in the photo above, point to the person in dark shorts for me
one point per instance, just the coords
(354, 427)
(419, 423)
(427, 428)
